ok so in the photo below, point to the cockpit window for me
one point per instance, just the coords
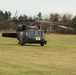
(36, 33)
(30, 33)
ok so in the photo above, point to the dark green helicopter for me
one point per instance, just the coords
(27, 34)
(32, 33)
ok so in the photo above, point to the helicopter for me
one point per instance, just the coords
(27, 34)
(32, 33)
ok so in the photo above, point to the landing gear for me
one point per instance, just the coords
(21, 42)
(42, 44)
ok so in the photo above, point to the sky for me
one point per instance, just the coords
(33, 7)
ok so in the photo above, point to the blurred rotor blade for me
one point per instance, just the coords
(16, 14)
(45, 22)
(54, 24)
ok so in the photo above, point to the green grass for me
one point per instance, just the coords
(58, 57)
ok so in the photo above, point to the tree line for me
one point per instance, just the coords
(64, 19)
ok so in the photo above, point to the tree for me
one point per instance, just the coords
(25, 16)
(74, 22)
(66, 18)
(7, 15)
(1, 15)
(54, 17)
(39, 16)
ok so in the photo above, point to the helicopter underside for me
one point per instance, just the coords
(36, 42)
(24, 41)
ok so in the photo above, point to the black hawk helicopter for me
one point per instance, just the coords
(27, 34)
(31, 34)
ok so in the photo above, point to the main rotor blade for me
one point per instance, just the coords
(54, 24)
(44, 22)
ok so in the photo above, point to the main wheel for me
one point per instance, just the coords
(42, 44)
(22, 42)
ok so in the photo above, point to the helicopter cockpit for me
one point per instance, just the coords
(35, 33)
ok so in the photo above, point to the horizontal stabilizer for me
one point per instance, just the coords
(11, 35)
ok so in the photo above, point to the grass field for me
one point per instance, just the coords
(58, 57)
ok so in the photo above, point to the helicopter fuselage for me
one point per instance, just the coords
(31, 36)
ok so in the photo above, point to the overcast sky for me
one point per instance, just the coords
(33, 7)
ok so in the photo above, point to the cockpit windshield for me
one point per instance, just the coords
(30, 33)
(36, 33)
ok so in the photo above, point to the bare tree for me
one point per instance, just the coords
(54, 17)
